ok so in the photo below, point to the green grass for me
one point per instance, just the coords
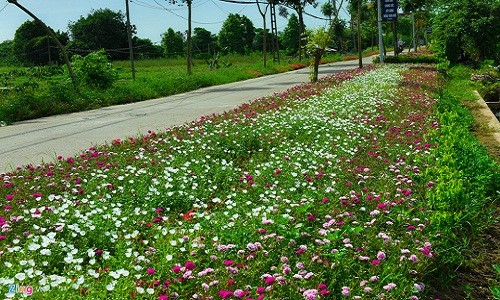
(34, 95)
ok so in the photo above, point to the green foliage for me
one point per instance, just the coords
(467, 30)
(467, 180)
(145, 49)
(204, 43)
(95, 69)
(402, 59)
(237, 34)
(290, 37)
(100, 29)
(172, 43)
(7, 56)
(32, 45)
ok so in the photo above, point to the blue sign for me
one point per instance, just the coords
(389, 10)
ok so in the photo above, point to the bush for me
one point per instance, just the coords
(95, 69)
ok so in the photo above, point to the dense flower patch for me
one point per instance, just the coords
(310, 194)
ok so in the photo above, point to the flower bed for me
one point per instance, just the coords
(316, 193)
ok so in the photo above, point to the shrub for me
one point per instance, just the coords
(95, 69)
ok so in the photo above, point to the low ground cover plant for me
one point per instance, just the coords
(356, 187)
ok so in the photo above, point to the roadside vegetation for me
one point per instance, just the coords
(362, 185)
(28, 93)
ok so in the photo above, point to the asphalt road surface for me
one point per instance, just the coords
(42, 140)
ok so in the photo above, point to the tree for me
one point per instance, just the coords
(298, 6)
(101, 29)
(172, 43)
(291, 35)
(145, 49)
(54, 38)
(33, 46)
(467, 30)
(204, 41)
(237, 34)
(7, 56)
(318, 43)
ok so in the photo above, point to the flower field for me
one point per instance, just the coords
(344, 189)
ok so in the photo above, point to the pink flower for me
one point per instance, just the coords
(345, 291)
(240, 293)
(269, 280)
(176, 269)
(163, 297)
(310, 294)
(225, 294)
(389, 286)
(2, 237)
(260, 290)
(189, 265)
(150, 271)
(9, 197)
(228, 262)
(381, 255)
(375, 262)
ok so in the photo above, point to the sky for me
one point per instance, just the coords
(151, 17)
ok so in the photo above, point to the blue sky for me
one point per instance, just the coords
(149, 17)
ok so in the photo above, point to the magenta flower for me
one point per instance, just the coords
(228, 262)
(150, 271)
(9, 197)
(375, 262)
(269, 280)
(189, 265)
(176, 269)
(163, 297)
(225, 294)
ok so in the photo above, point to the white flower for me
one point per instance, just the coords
(46, 252)
(20, 276)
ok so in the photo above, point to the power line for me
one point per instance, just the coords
(4, 7)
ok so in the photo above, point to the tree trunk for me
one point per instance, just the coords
(56, 40)
(301, 29)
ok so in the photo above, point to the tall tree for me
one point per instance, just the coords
(54, 38)
(7, 56)
(100, 29)
(172, 43)
(298, 6)
(291, 35)
(467, 29)
(237, 34)
(204, 41)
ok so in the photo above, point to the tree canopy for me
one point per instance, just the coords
(32, 45)
(172, 43)
(237, 34)
(468, 29)
(101, 29)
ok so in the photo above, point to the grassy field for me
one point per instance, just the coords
(38, 92)
(361, 186)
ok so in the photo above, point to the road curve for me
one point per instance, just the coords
(42, 140)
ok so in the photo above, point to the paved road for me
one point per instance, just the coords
(42, 140)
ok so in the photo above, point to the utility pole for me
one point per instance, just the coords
(360, 49)
(129, 34)
(189, 40)
(380, 38)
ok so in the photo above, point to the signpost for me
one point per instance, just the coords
(389, 10)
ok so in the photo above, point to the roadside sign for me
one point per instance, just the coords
(389, 10)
